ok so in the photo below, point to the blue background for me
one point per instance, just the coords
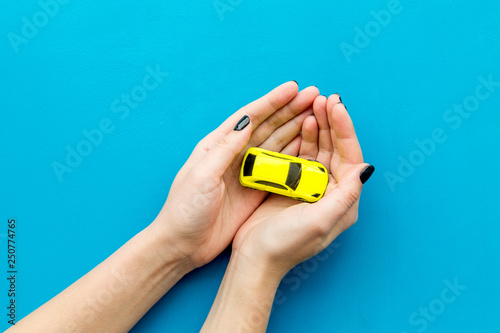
(441, 223)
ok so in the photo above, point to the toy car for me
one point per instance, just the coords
(278, 173)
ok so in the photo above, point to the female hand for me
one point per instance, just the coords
(283, 232)
(206, 204)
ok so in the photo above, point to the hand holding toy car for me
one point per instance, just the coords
(283, 232)
(207, 208)
(207, 204)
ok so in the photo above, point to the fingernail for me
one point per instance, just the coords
(366, 173)
(242, 123)
(295, 82)
(343, 105)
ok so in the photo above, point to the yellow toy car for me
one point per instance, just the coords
(291, 176)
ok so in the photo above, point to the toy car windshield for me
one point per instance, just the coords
(293, 178)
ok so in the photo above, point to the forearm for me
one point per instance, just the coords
(244, 299)
(115, 294)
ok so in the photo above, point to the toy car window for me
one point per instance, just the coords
(248, 168)
(294, 174)
(263, 182)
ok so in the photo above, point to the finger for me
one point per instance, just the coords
(334, 205)
(335, 159)
(325, 145)
(344, 135)
(309, 146)
(334, 99)
(258, 110)
(215, 163)
(280, 137)
(299, 104)
(293, 147)
(267, 105)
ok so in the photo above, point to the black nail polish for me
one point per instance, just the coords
(366, 173)
(242, 123)
(343, 105)
(340, 98)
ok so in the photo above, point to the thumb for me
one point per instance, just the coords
(223, 153)
(347, 192)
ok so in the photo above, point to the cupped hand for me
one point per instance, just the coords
(283, 232)
(206, 204)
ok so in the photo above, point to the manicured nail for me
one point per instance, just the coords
(340, 98)
(366, 173)
(343, 105)
(242, 123)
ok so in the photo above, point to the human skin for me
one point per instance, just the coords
(205, 207)
(283, 232)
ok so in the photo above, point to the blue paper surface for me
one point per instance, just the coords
(421, 80)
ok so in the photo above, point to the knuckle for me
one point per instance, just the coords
(277, 119)
(277, 140)
(321, 228)
(350, 198)
(272, 103)
(223, 143)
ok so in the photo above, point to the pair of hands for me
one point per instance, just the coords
(207, 208)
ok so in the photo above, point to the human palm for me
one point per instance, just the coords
(206, 204)
(285, 232)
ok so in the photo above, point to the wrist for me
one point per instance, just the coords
(261, 270)
(245, 297)
(162, 245)
(263, 258)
